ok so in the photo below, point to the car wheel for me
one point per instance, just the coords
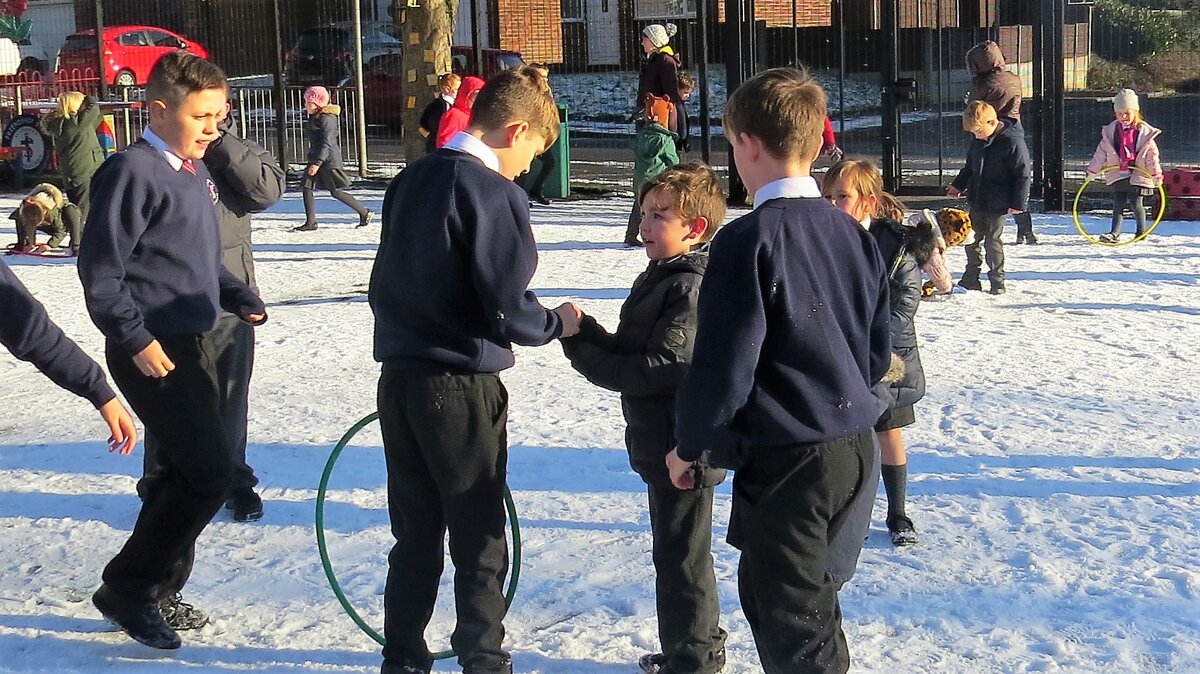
(125, 78)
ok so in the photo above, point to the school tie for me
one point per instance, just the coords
(189, 166)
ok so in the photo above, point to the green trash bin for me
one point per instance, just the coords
(558, 183)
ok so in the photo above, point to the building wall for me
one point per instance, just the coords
(532, 27)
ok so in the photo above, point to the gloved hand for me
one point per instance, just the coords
(834, 153)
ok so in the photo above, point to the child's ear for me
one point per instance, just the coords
(697, 228)
(516, 131)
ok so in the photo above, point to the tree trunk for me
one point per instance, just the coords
(427, 28)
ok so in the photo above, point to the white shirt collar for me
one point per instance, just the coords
(448, 98)
(465, 142)
(159, 144)
(866, 223)
(794, 187)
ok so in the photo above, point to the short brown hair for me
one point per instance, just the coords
(686, 81)
(977, 115)
(782, 107)
(31, 212)
(179, 74)
(520, 94)
(449, 80)
(693, 190)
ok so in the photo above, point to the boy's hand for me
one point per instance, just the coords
(124, 433)
(953, 191)
(571, 315)
(152, 361)
(1014, 211)
(312, 169)
(682, 475)
(255, 319)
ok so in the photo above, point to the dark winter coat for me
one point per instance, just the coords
(324, 139)
(75, 141)
(249, 181)
(903, 250)
(646, 359)
(660, 77)
(998, 171)
(991, 83)
(55, 202)
(431, 118)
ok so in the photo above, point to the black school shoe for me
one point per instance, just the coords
(181, 615)
(306, 227)
(970, 283)
(244, 505)
(539, 198)
(141, 621)
(365, 219)
(997, 289)
(504, 667)
(656, 663)
(393, 668)
(901, 531)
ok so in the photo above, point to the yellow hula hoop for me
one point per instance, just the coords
(1162, 208)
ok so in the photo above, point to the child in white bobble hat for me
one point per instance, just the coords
(1129, 146)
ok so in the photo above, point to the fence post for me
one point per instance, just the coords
(17, 100)
(702, 71)
(280, 105)
(242, 123)
(1054, 123)
(477, 48)
(889, 74)
(125, 116)
(360, 98)
(100, 70)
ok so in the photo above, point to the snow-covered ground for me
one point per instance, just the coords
(1055, 477)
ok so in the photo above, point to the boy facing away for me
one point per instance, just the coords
(645, 360)
(996, 181)
(154, 284)
(791, 339)
(449, 293)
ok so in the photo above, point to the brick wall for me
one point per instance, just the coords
(778, 13)
(532, 27)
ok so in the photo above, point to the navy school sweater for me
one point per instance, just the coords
(792, 335)
(151, 263)
(30, 335)
(449, 285)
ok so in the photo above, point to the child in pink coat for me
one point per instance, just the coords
(1127, 144)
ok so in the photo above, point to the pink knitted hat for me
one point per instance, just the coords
(318, 96)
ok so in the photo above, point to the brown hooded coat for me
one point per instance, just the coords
(991, 83)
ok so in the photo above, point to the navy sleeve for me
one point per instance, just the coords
(731, 328)
(504, 258)
(248, 170)
(964, 175)
(237, 298)
(31, 336)
(1022, 175)
(881, 331)
(121, 208)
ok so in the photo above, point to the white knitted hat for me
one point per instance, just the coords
(1126, 99)
(659, 34)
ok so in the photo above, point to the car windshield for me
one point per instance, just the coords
(80, 43)
(323, 40)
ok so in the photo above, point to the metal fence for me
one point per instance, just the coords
(858, 49)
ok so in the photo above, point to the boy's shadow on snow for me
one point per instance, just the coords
(1097, 306)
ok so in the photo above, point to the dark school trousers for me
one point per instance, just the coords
(789, 507)
(685, 586)
(446, 444)
(988, 228)
(232, 343)
(180, 410)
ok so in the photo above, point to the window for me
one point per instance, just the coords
(573, 10)
(664, 9)
(134, 38)
(161, 39)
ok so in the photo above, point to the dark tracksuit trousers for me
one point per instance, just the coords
(232, 342)
(988, 228)
(1024, 221)
(446, 444)
(181, 410)
(789, 509)
(548, 163)
(685, 586)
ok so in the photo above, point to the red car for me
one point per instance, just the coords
(383, 77)
(129, 52)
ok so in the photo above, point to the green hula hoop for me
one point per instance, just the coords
(514, 569)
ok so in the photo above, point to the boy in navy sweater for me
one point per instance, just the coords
(644, 361)
(449, 293)
(995, 180)
(30, 335)
(792, 339)
(154, 284)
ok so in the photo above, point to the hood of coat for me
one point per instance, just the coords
(470, 84)
(666, 53)
(985, 58)
(1145, 133)
(330, 109)
(694, 262)
(50, 197)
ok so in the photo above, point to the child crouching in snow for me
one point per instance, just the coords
(47, 210)
(645, 361)
(950, 227)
